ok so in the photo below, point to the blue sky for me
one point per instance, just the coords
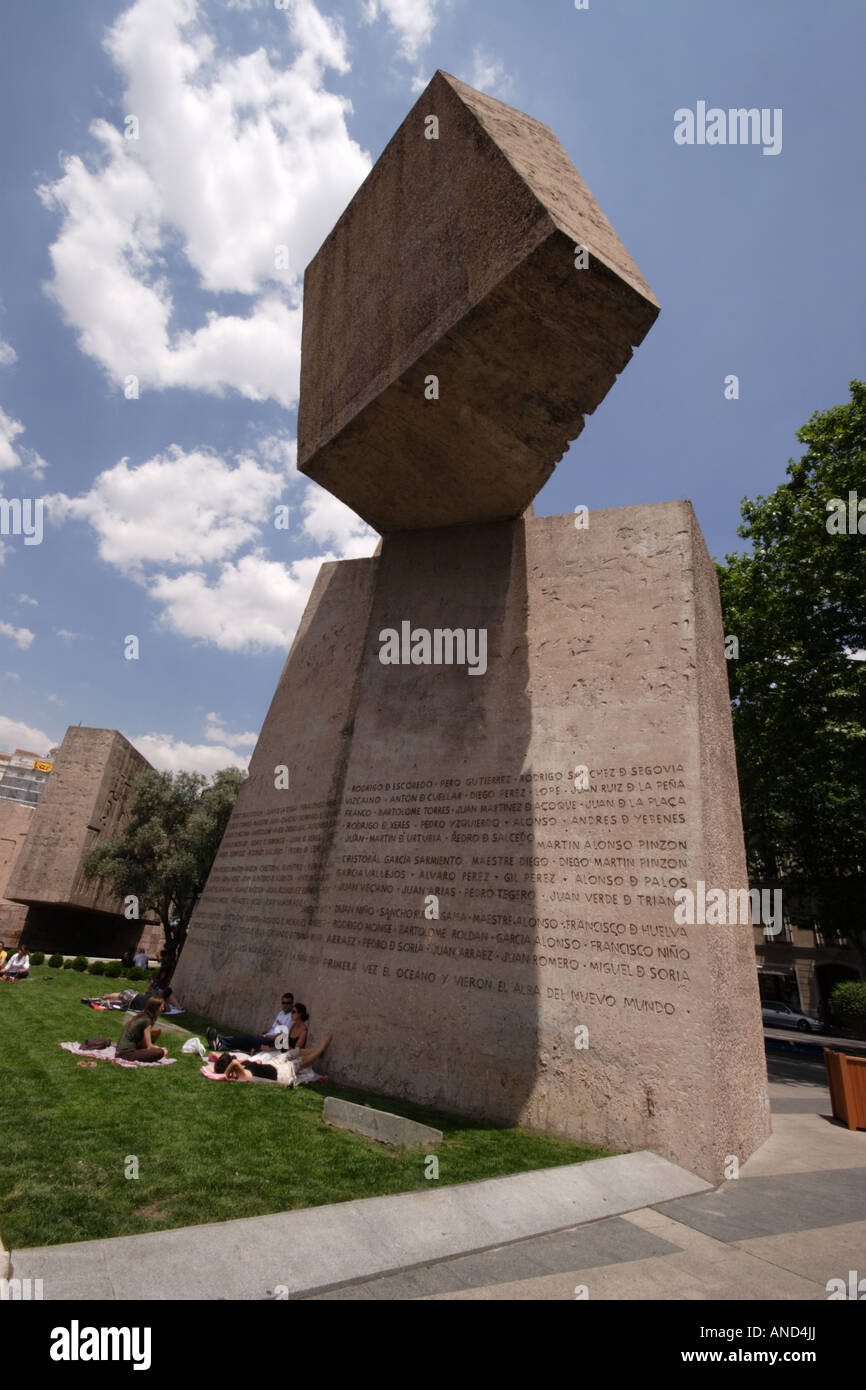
(155, 258)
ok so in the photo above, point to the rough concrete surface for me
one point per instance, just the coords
(456, 259)
(378, 1124)
(555, 906)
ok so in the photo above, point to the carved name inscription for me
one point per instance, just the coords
(495, 883)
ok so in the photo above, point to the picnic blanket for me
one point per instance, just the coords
(108, 1054)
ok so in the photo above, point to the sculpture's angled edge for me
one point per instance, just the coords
(457, 260)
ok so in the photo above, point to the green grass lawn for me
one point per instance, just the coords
(206, 1150)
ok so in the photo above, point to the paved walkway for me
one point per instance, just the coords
(633, 1227)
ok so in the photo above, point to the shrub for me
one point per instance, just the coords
(80, 963)
(135, 972)
(96, 967)
(113, 969)
(68, 964)
(37, 957)
(55, 961)
(848, 1002)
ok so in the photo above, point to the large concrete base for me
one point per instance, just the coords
(555, 988)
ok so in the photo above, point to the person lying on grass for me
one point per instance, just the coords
(159, 988)
(136, 1041)
(284, 1069)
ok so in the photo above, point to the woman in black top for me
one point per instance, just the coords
(298, 1029)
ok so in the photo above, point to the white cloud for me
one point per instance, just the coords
(328, 521)
(413, 21)
(54, 699)
(15, 734)
(13, 457)
(25, 598)
(66, 635)
(8, 355)
(35, 465)
(168, 754)
(176, 508)
(254, 604)
(21, 636)
(488, 74)
(176, 523)
(11, 676)
(280, 449)
(236, 156)
(215, 731)
(9, 432)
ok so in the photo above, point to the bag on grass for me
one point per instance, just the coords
(195, 1045)
(94, 1044)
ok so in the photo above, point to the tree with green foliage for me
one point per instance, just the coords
(797, 605)
(848, 1002)
(164, 852)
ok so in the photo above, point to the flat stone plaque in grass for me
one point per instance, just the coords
(378, 1124)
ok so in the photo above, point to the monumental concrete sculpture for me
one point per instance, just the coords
(84, 802)
(499, 747)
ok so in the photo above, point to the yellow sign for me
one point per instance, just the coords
(42, 767)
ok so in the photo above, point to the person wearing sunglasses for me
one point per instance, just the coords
(276, 1036)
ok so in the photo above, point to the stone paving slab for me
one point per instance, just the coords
(698, 1269)
(803, 1142)
(768, 1206)
(321, 1247)
(599, 1243)
(829, 1253)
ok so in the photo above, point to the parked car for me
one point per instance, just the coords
(778, 1015)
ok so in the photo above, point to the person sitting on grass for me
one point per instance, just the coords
(18, 967)
(136, 1041)
(283, 1069)
(254, 1042)
(2, 956)
(161, 985)
(298, 1030)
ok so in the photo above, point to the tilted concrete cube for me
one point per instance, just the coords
(456, 259)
